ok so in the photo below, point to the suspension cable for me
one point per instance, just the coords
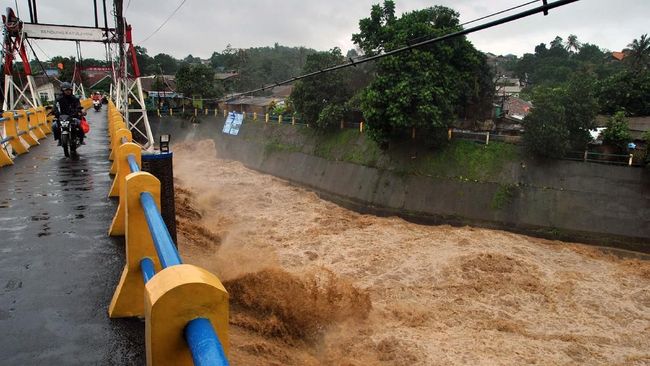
(544, 8)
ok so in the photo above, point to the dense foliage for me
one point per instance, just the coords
(424, 88)
(621, 85)
(320, 100)
(617, 132)
(197, 80)
(561, 119)
(261, 65)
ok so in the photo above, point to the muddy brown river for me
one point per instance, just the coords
(312, 283)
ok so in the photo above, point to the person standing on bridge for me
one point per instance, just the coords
(67, 104)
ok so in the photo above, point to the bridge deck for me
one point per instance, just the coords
(58, 267)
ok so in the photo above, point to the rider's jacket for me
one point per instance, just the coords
(67, 105)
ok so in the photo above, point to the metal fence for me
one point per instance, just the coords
(601, 158)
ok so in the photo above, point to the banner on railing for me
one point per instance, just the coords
(233, 123)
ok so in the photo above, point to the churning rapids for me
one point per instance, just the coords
(312, 283)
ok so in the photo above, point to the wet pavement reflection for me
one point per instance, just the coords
(58, 267)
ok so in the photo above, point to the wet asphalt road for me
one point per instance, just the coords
(58, 266)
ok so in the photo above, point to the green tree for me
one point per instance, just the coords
(572, 44)
(638, 53)
(68, 67)
(165, 64)
(425, 88)
(260, 65)
(617, 132)
(545, 130)
(581, 105)
(327, 92)
(561, 118)
(145, 62)
(627, 90)
(197, 81)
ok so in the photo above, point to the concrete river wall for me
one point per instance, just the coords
(587, 202)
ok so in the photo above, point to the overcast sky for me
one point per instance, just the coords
(203, 26)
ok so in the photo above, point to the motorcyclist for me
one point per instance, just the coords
(67, 104)
(97, 96)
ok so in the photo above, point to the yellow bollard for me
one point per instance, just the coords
(23, 126)
(5, 159)
(266, 118)
(293, 120)
(280, 119)
(361, 127)
(42, 120)
(215, 112)
(32, 117)
(194, 112)
(116, 141)
(254, 116)
(206, 111)
(121, 163)
(128, 299)
(118, 225)
(10, 129)
(171, 111)
(225, 112)
(174, 297)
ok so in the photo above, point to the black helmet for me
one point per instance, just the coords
(65, 86)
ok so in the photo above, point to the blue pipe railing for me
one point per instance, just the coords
(199, 333)
(133, 164)
(161, 239)
(147, 268)
(204, 343)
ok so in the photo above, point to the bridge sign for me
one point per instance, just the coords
(64, 32)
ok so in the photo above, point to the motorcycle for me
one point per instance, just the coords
(69, 134)
(97, 104)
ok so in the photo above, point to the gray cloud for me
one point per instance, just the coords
(203, 26)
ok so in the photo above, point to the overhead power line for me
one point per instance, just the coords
(165, 22)
(410, 41)
(501, 12)
(540, 9)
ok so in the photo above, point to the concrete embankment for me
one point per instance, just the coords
(594, 203)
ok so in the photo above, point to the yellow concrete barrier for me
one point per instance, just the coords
(118, 225)
(169, 298)
(128, 300)
(23, 127)
(11, 130)
(34, 126)
(117, 141)
(174, 297)
(41, 116)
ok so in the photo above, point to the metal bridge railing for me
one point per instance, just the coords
(182, 304)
